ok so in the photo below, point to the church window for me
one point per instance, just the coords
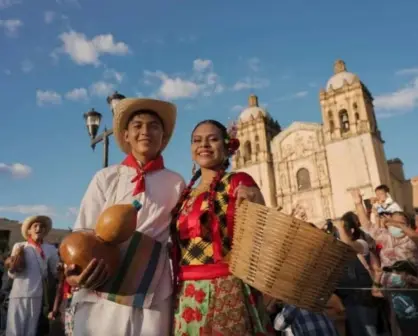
(357, 116)
(257, 138)
(303, 179)
(247, 151)
(344, 122)
(257, 148)
(355, 106)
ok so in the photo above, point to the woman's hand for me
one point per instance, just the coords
(94, 276)
(356, 196)
(243, 192)
(299, 213)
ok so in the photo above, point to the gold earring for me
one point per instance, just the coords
(194, 169)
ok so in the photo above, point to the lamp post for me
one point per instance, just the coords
(93, 119)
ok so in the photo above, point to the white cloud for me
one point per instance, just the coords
(102, 88)
(201, 64)
(78, 94)
(48, 97)
(72, 212)
(8, 3)
(7, 72)
(39, 209)
(88, 52)
(113, 74)
(203, 81)
(11, 26)
(237, 108)
(398, 102)
(49, 16)
(16, 170)
(254, 64)
(27, 66)
(297, 95)
(251, 83)
(409, 71)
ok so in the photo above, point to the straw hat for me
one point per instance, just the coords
(126, 107)
(36, 219)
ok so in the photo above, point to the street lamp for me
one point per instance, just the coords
(93, 119)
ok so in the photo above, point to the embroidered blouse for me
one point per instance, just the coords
(197, 232)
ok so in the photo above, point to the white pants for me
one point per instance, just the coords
(22, 316)
(112, 319)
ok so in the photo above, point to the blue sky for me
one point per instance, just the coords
(60, 58)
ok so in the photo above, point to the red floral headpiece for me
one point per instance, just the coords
(231, 141)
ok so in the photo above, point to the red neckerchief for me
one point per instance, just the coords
(154, 165)
(38, 247)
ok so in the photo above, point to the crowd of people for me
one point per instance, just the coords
(183, 286)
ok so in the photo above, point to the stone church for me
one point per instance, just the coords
(316, 164)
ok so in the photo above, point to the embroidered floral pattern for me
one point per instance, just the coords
(224, 306)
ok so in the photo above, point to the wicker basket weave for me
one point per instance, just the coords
(286, 258)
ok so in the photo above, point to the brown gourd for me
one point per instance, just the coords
(115, 225)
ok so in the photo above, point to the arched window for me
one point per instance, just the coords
(357, 116)
(303, 179)
(257, 138)
(257, 148)
(247, 151)
(344, 122)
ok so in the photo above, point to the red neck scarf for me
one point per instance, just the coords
(152, 166)
(38, 247)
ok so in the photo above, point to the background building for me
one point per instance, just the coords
(316, 164)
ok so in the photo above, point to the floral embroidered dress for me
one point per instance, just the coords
(211, 301)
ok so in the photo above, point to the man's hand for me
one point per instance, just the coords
(94, 276)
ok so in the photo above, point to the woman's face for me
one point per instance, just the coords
(208, 146)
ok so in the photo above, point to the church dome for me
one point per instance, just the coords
(253, 110)
(340, 76)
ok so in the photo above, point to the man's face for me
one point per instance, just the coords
(381, 195)
(145, 135)
(37, 231)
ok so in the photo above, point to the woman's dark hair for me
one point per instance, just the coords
(352, 225)
(140, 112)
(406, 217)
(196, 176)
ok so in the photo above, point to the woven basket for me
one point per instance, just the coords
(286, 258)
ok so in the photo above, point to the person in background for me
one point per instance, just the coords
(300, 322)
(364, 312)
(30, 266)
(401, 275)
(384, 202)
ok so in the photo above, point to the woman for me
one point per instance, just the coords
(364, 313)
(211, 301)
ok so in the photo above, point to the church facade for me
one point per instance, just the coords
(317, 164)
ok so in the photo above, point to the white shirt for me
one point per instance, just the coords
(113, 185)
(28, 283)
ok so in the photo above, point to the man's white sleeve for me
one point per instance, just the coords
(92, 204)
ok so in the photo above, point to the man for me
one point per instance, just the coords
(142, 129)
(29, 265)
